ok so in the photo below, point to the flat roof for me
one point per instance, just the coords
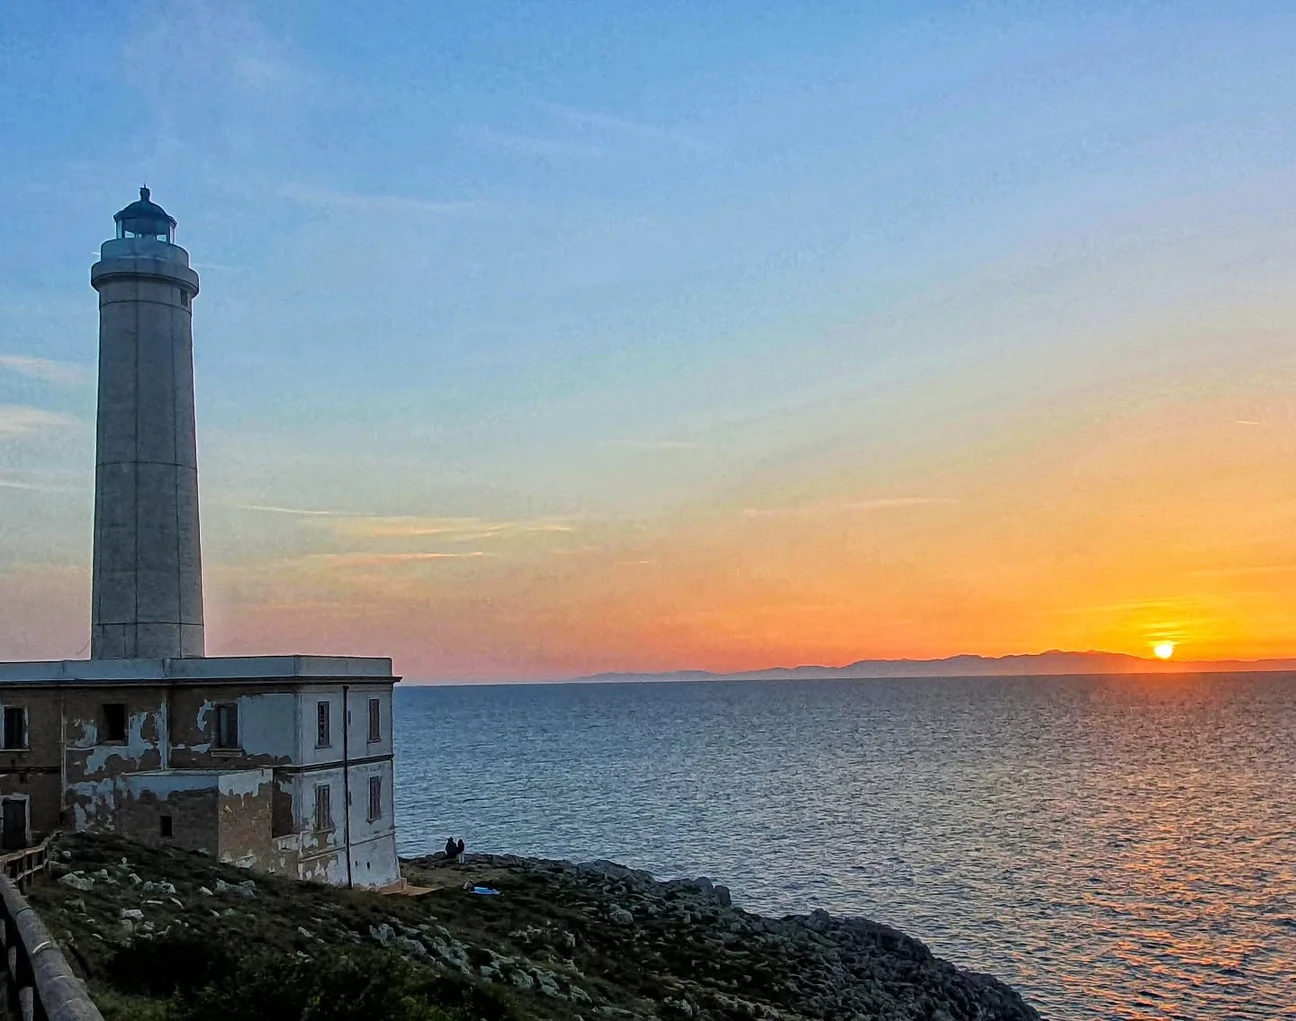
(199, 669)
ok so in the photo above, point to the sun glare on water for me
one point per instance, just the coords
(1163, 650)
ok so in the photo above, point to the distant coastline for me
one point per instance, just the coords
(1049, 663)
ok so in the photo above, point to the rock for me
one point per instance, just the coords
(304, 932)
(77, 904)
(134, 914)
(205, 892)
(722, 896)
(412, 947)
(620, 915)
(65, 855)
(176, 902)
(547, 983)
(522, 980)
(76, 881)
(246, 889)
(133, 879)
(155, 903)
(381, 933)
(568, 941)
(102, 874)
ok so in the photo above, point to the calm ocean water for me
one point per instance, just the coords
(1116, 847)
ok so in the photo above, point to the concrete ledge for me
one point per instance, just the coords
(199, 670)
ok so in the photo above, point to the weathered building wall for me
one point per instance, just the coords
(34, 772)
(267, 726)
(92, 761)
(323, 853)
(73, 776)
(189, 801)
(246, 809)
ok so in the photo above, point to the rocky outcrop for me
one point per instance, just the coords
(683, 944)
(553, 941)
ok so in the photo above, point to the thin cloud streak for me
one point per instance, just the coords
(650, 444)
(20, 420)
(886, 503)
(532, 145)
(621, 125)
(46, 370)
(292, 511)
(377, 559)
(362, 202)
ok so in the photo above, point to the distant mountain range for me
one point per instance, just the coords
(1036, 664)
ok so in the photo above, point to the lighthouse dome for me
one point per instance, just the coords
(145, 218)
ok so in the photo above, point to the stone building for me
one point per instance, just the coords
(277, 763)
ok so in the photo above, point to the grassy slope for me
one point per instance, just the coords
(559, 942)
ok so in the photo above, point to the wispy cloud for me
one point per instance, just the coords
(883, 503)
(1241, 572)
(19, 420)
(363, 559)
(294, 511)
(533, 145)
(611, 124)
(410, 526)
(365, 202)
(650, 444)
(452, 529)
(46, 370)
(36, 487)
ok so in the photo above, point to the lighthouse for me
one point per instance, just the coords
(146, 600)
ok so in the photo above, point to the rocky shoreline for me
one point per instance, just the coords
(166, 935)
(710, 959)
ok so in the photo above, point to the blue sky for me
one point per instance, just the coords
(625, 269)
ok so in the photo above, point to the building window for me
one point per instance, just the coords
(227, 731)
(322, 736)
(15, 727)
(164, 825)
(114, 722)
(184, 298)
(375, 798)
(375, 720)
(323, 808)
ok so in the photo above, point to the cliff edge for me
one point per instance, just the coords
(164, 934)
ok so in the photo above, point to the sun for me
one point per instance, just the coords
(1164, 650)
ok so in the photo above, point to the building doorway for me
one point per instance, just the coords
(13, 823)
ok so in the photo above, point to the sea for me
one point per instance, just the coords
(1113, 847)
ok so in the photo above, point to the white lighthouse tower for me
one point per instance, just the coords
(147, 588)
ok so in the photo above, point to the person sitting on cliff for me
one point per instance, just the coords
(451, 849)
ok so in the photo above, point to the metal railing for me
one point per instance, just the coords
(40, 986)
(22, 864)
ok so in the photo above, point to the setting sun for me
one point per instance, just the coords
(1164, 650)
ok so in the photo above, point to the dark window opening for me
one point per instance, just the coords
(323, 808)
(165, 825)
(114, 721)
(184, 298)
(375, 798)
(227, 733)
(322, 736)
(375, 720)
(15, 727)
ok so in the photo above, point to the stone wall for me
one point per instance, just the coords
(194, 815)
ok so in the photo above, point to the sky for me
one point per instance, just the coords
(543, 339)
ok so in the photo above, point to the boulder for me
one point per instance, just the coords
(76, 881)
(246, 889)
